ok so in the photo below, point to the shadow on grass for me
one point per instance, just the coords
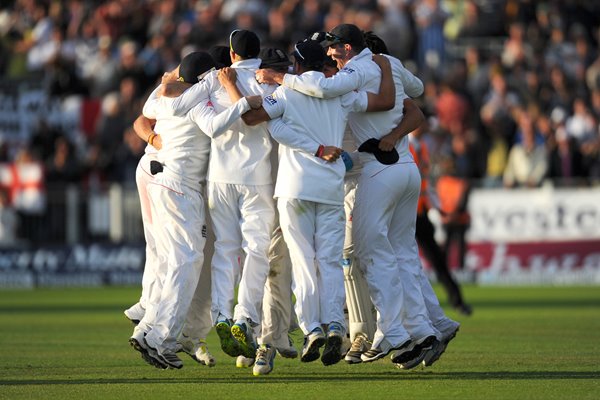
(325, 377)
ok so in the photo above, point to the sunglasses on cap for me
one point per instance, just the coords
(200, 77)
(330, 37)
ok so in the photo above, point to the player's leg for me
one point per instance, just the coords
(225, 263)
(402, 236)
(277, 300)
(198, 321)
(329, 243)
(377, 193)
(297, 220)
(257, 218)
(182, 218)
(142, 178)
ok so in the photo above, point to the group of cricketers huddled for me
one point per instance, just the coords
(303, 165)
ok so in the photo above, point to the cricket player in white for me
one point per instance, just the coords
(178, 213)
(143, 177)
(386, 197)
(310, 198)
(240, 201)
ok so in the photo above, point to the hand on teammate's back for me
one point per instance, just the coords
(268, 76)
(227, 76)
(173, 89)
(380, 60)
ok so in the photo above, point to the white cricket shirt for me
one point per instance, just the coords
(301, 175)
(239, 155)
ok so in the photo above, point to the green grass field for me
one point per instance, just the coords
(521, 343)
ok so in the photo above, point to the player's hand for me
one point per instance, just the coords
(173, 89)
(387, 143)
(331, 153)
(254, 101)
(170, 76)
(157, 142)
(227, 76)
(381, 60)
(268, 76)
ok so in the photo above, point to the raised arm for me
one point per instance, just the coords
(412, 118)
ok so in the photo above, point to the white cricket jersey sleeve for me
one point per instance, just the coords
(274, 104)
(151, 106)
(194, 95)
(213, 124)
(346, 80)
(413, 86)
(287, 136)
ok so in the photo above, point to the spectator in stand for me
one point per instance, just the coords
(527, 160)
(565, 161)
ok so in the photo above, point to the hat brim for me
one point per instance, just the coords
(327, 43)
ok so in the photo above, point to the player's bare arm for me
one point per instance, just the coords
(144, 128)
(228, 77)
(255, 116)
(413, 117)
(269, 76)
(386, 99)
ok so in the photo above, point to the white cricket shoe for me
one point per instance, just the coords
(312, 343)
(244, 362)
(436, 351)
(198, 350)
(332, 353)
(265, 355)
(412, 351)
(135, 313)
(360, 344)
(289, 351)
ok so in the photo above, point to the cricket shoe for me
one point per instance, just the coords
(312, 343)
(413, 350)
(332, 353)
(265, 355)
(135, 313)
(437, 350)
(198, 350)
(228, 343)
(139, 344)
(166, 357)
(288, 351)
(384, 348)
(244, 362)
(360, 344)
(242, 332)
(410, 364)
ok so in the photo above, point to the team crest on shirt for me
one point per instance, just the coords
(348, 70)
(271, 100)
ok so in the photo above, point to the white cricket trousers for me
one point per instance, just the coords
(143, 177)
(278, 315)
(314, 233)
(361, 313)
(242, 218)
(178, 214)
(384, 220)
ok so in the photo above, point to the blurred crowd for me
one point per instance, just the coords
(512, 87)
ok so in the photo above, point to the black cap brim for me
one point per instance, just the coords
(384, 157)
